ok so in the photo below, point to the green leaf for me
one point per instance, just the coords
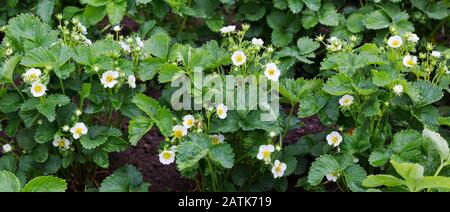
(147, 104)
(45, 133)
(427, 115)
(192, 150)
(158, 45)
(377, 20)
(379, 157)
(45, 9)
(116, 10)
(25, 139)
(115, 144)
(30, 31)
(354, 176)
(429, 93)
(88, 143)
(307, 45)
(48, 106)
(10, 103)
(126, 179)
(100, 158)
(311, 104)
(439, 143)
(40, 153)
(223, 154)
(45, 184)
(9, 182)
(405, 140)
(8, 163)
(354, 22)
(409, 171)
(312, 4)
(281, 38)
(95, 3)
(295, 6)
(382, 180)
(148, 68)
(94, 14)
(164, 121)
(251, 11)
(139, 126)
(328, 15)
(338, 85)
(309, 19)
(168, 73)
(7, 69)
(433, 182)
(323, 165)
(42, 57)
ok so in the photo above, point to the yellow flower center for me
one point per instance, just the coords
(410, 62)
(346, 101)
(38, 88)
(395, 43)
(167, 155)
(190, 122)
(239, 58)
(271, 72)
(178, 133)
(32, 76)
(78, 131)
(61, 143)
(109, 78)
(215, 140)
(278, 169)
(334, 139)
(266, 154)
(220, 111)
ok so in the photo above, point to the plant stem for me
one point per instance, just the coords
(18, 90)
(62, 86)
(213, 174)
(443, 164)
(288, 121)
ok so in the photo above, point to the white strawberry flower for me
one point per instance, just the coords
(132, 81)
(228, 29)
(61, 143)
(179, 131)
(222, 111)
(398, 89)
(82, 28)
(109, 79)
(412, 37)
(278, 169)
(126, 47)
(332, 176)
(78, 112)
(395, 41)
(257, 42)
(188, 121)
(167, 157)
(139, 42)
(217, 138)
(409, 61)
(88, 42)
(7, 148)
(31, 75)
(78, 130)
(265, 152)
(346, 100)
(436, 54)
(334, 139)
(117, 28)
(38, 89)
(272, 72)
(238, 58)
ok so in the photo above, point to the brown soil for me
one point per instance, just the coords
(145, 157)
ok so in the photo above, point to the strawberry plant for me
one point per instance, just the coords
(225, 95)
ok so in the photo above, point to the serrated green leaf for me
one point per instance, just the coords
(323, 165)
(116, 10)
(138, 127)
(382, 180)
(126, 179)
(377, 20)
(45, 184)
(223, 154)
(158, 45)
(9, 182)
